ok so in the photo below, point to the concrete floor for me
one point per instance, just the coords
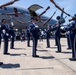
(21, 62)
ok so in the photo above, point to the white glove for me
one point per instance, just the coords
(11, 36)
(0, 26)
(68, 32)
(36, 26)
(7, 34)
(4, 31)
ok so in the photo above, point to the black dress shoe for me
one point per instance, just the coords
(12, 48)
(36, 56)
(55, 45)
(1, 63)
(58, 51)
(36, 49)
(29, 46)
(72, 59)
(68, 48)
(6, 53)
(47, 47)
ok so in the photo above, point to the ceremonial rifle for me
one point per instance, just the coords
(59, 8)
(9, 3)
(16, 13)
(49, 18)
(74, 18)
(17, 20)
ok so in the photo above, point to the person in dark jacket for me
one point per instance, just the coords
(57, 33)
(34, 29)
(0, 40)
(72, 28)
(5, 31)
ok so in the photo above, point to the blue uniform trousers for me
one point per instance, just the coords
(69, 42)
(58, 44)
(35, 41)
(73, 45)
(28, 41)
(48, 42)
(5, 44)
(12, 42)
(55, 40)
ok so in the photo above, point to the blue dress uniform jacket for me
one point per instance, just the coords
(12, 35)
(5, 30)
(34, 30)
(72, 28)
(35, 34)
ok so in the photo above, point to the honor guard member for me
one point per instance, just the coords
(0, 34)
(34, 29)
(12, 35)
(28, 36)
(48, 36)
(72, 28)
(57, 33)
(0, 41)
(5, 30)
